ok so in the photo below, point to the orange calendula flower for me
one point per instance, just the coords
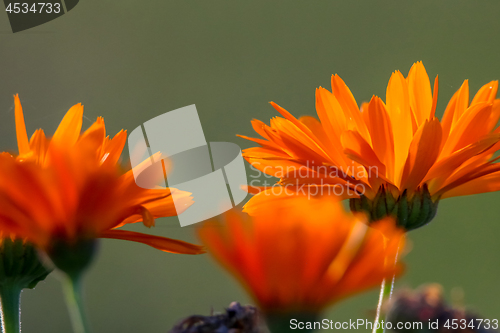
(300, 255)
(393, 158)
(69, 189)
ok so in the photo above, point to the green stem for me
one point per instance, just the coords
(386, 290)
(10, 297)
(385, 295)
(73, 291)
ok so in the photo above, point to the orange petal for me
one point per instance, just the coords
(258, 126)
(330, 113)
(332, 119)
(234, 247)
(219, 244)
(457, 105)
(277, 194)
(420, 93)
(263, 143)
(315, 126)
(147, 218)
(160, 205)
(487, 93)
(253, 189)
(22, 136)
(266, 153)
(263, 199)
(69, 129)
(346, 100)
(292, 119)
(274, 165)
(160, 243)
(441, 170)
(381, 134)
(435, 97)
(469, 128)
(298, 141)
(488, 183)
(360, 151)
(399, 111)
(39, 145)
(348, 251)
(93, 137)
(479, 172)
(15, 178)
(495, 115)
(114, 148)
(424, 151)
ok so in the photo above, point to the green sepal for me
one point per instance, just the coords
(366, 204)
(390, 201)
(409, 213)
(402, 212)
(20, 265)
(415, 210)
(380, 206)
(73, 258)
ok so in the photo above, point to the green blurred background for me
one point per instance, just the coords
(130, 61)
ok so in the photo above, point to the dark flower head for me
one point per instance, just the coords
(236, 319)
(427, 305)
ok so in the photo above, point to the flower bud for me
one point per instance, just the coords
(426, 310)
(410, 212)
(72, 258)
(236, 319)
(20, 266)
